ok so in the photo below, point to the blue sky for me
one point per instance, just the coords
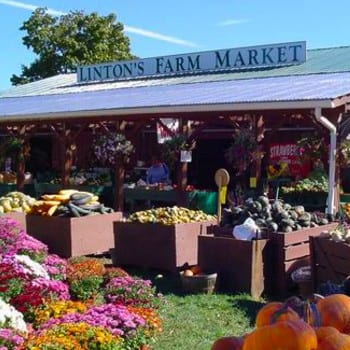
(158, 28)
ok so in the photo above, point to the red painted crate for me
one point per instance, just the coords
(158, 246)
(68, 237)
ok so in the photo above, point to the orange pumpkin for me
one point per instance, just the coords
(334, 311)
(286, 335)
(324, 332)
(274, 312)
(196, 270)
(334, 341)
(228, 343)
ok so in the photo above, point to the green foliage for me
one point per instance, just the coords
(85, 288)
(61, 43)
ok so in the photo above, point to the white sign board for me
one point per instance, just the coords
(186, 156)
(273, 55)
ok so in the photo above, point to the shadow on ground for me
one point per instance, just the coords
(165, 282)
(249, 306)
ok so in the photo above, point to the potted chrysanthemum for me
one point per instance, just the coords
(114, 149)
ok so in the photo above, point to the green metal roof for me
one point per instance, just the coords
(318, 61)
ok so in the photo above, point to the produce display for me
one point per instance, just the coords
(316, 182)
(272, 215)
(16, 202)
(169, 216)
(69, 203)
(346, 210)
(340, 234)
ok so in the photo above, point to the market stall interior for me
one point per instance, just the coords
(249, 117)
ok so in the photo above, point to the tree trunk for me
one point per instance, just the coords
(118, 189)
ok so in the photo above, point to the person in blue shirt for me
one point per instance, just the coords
(158, 172)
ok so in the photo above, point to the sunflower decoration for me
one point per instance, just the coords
(277, 169)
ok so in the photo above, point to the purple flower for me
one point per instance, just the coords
(56, 267)
(115, 318)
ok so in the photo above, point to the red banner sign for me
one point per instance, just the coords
(288, 153)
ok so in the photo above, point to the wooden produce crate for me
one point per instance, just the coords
(19, 217)
(158, 246)
(239, 264)
(68, 237)
(330, 260)
(285, 253)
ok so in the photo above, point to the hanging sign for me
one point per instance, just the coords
(186, 156)
(162, 133)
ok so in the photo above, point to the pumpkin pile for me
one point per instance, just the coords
(272, 215)
(322, 324)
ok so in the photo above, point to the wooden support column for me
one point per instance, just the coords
(23, 136)
(255, 170)
(182, 168)
(67, 143)
(119, 182)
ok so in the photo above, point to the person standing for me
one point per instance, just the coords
(158, 172)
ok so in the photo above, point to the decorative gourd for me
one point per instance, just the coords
(228, 343)
(334, 311)
(274, 312)
(286, 335)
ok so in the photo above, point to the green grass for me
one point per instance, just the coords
(194, 322)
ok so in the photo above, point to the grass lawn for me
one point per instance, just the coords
(193, 322)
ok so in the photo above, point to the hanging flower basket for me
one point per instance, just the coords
(172, 149)
(243, 150)
(111, 148)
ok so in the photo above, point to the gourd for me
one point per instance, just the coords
(228, 343)
(273, 312)
(286, 335)
(334, 311)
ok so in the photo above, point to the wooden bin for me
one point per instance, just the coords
(285, 253)
(158, 246)
(330, 261)
(68, 237)
(19, 217)
(239, 264)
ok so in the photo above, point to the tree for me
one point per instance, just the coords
(65, 41)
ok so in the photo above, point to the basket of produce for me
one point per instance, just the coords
(195, 281)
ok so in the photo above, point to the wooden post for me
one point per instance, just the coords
(119, 182)
(182, 169)
(21, 168)
(67, 163)
(23, 153)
